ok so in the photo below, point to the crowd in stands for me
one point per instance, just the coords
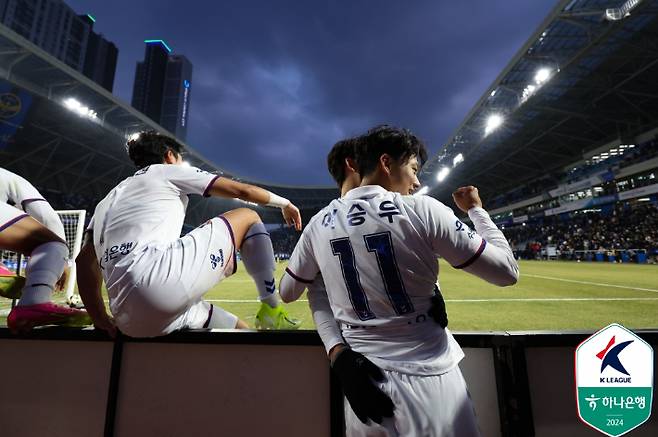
(284, 241)
(622, 228)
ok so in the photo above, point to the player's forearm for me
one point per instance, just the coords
(496, 264)
(290, 289)
(90, 280)
(224, 187)
(324, 319)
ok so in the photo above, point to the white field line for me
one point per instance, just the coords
(602, 284)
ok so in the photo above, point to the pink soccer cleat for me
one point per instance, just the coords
(24, 318)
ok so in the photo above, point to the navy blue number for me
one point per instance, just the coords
(382, 245)
(342, 248)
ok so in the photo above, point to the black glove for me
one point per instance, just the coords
(438, 310)
(356, 374)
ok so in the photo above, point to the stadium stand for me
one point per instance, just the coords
(597, 92)
(623, 233)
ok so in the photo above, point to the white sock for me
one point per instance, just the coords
(44, 268)
(258, 258)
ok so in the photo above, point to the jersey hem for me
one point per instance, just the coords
(206, 192)
(26, 201)
(298, 278)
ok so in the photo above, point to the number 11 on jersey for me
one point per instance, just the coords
(382, 246)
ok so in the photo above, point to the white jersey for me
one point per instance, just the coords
(144, 208)
(377, 252)
(18, 191)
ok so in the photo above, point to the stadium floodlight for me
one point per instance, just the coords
(527, 92)
(77, 107)
(457, 159)
(542, 75)
(443, 173)
(644, 199)
(616, 14)
(422, 191)
(493, 122)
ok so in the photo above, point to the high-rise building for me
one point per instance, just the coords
(56, 28)
(100, 58)
(162, 87)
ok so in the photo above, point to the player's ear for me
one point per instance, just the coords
(385, 162)
(350, 163)
(170, 157)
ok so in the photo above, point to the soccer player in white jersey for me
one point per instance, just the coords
(31, 227)
(377, 249)
(156, 279)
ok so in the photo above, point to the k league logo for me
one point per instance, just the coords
(614, 380)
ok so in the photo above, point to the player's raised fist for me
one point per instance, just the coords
(467, 198)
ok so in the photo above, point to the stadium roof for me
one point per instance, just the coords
(585, 78)
(64, 132)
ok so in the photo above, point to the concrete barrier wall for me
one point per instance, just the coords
(75, 383)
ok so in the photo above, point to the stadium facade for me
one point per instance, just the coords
(163, 86)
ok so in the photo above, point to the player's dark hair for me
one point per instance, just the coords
(150, 147)
(400, 144)
(336, 159)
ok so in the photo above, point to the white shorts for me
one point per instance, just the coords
(161, 288)
(425, 406)
(9, 215)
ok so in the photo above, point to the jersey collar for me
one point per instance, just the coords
(365, 192)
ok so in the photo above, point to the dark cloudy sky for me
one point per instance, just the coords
(277, 82)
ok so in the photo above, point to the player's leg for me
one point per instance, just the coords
(21, 233)
(257, 254)
(204, 315)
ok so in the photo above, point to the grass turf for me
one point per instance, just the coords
(550, 295)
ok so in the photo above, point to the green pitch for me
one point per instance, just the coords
(550, 295)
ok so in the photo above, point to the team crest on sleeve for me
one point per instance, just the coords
(614, 380)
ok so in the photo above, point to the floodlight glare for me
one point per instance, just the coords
(77, 107)
(443, 173)
(542, 75)
(457, 159)
(422, 191)
(493, 122)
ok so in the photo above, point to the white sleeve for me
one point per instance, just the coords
(43, 212)
(465, 249)
(19, 190)
(497, 263)
(190, 180)
(302, 269)
(323, 316)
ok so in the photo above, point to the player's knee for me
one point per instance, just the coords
(244, 215)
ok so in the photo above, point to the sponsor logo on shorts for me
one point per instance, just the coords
(216, 260)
